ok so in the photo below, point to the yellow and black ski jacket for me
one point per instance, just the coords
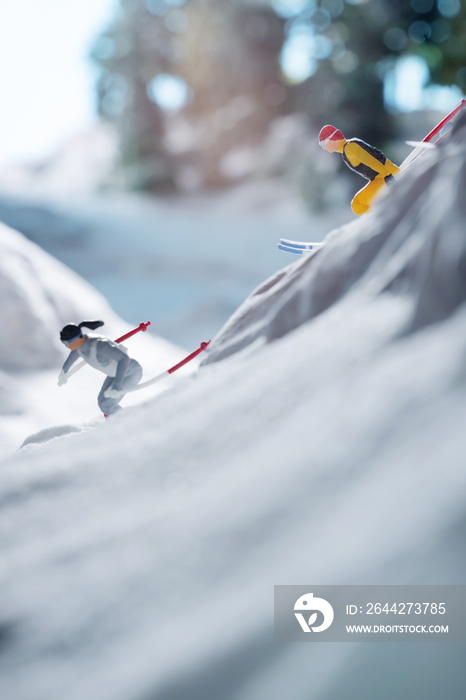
(367, 160)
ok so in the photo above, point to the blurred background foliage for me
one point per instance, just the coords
(195, 87)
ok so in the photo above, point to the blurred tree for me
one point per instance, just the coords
(340, 46)
(435, 30)
(213, 62)
(346, 49)
(194, 84)
(231, 62)
(134, 49)
(346, 82)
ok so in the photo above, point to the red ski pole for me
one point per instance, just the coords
(428, 139)
(141, 327)
(190, 357)
(441, 124)
(167, 372)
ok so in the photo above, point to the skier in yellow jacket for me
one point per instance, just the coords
(364, 160)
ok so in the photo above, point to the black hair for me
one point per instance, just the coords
(74, 331)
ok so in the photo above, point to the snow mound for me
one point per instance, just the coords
(414, 248)
(50, 434)
(39, 295)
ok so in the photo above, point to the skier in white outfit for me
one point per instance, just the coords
(104, 355)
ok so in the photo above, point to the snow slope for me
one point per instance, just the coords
(414, 252)
(39, 295)
(323, 442)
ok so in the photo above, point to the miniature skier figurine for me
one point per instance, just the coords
(364, 160)
(104, 355)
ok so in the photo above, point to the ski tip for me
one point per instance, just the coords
(420, 144)
(296, 251)
(294, 244)
(301, 245)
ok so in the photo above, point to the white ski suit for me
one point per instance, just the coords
(111, 359)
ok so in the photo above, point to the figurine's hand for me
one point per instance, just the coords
(62, 378)
(113, 394)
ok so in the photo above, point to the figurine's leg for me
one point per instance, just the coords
(364, 198)
(110, 405)
(106, 404)
(133, 374)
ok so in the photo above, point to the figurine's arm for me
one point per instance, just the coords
(70, 360)
(357, 155)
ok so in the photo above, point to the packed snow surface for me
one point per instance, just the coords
(321, 442)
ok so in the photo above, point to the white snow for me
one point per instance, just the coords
(322, 442)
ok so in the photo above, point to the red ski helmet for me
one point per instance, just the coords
(329, 133)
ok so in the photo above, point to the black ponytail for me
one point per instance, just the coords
(91, 324)
(72, 330)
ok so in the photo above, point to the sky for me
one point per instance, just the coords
(46, 79)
